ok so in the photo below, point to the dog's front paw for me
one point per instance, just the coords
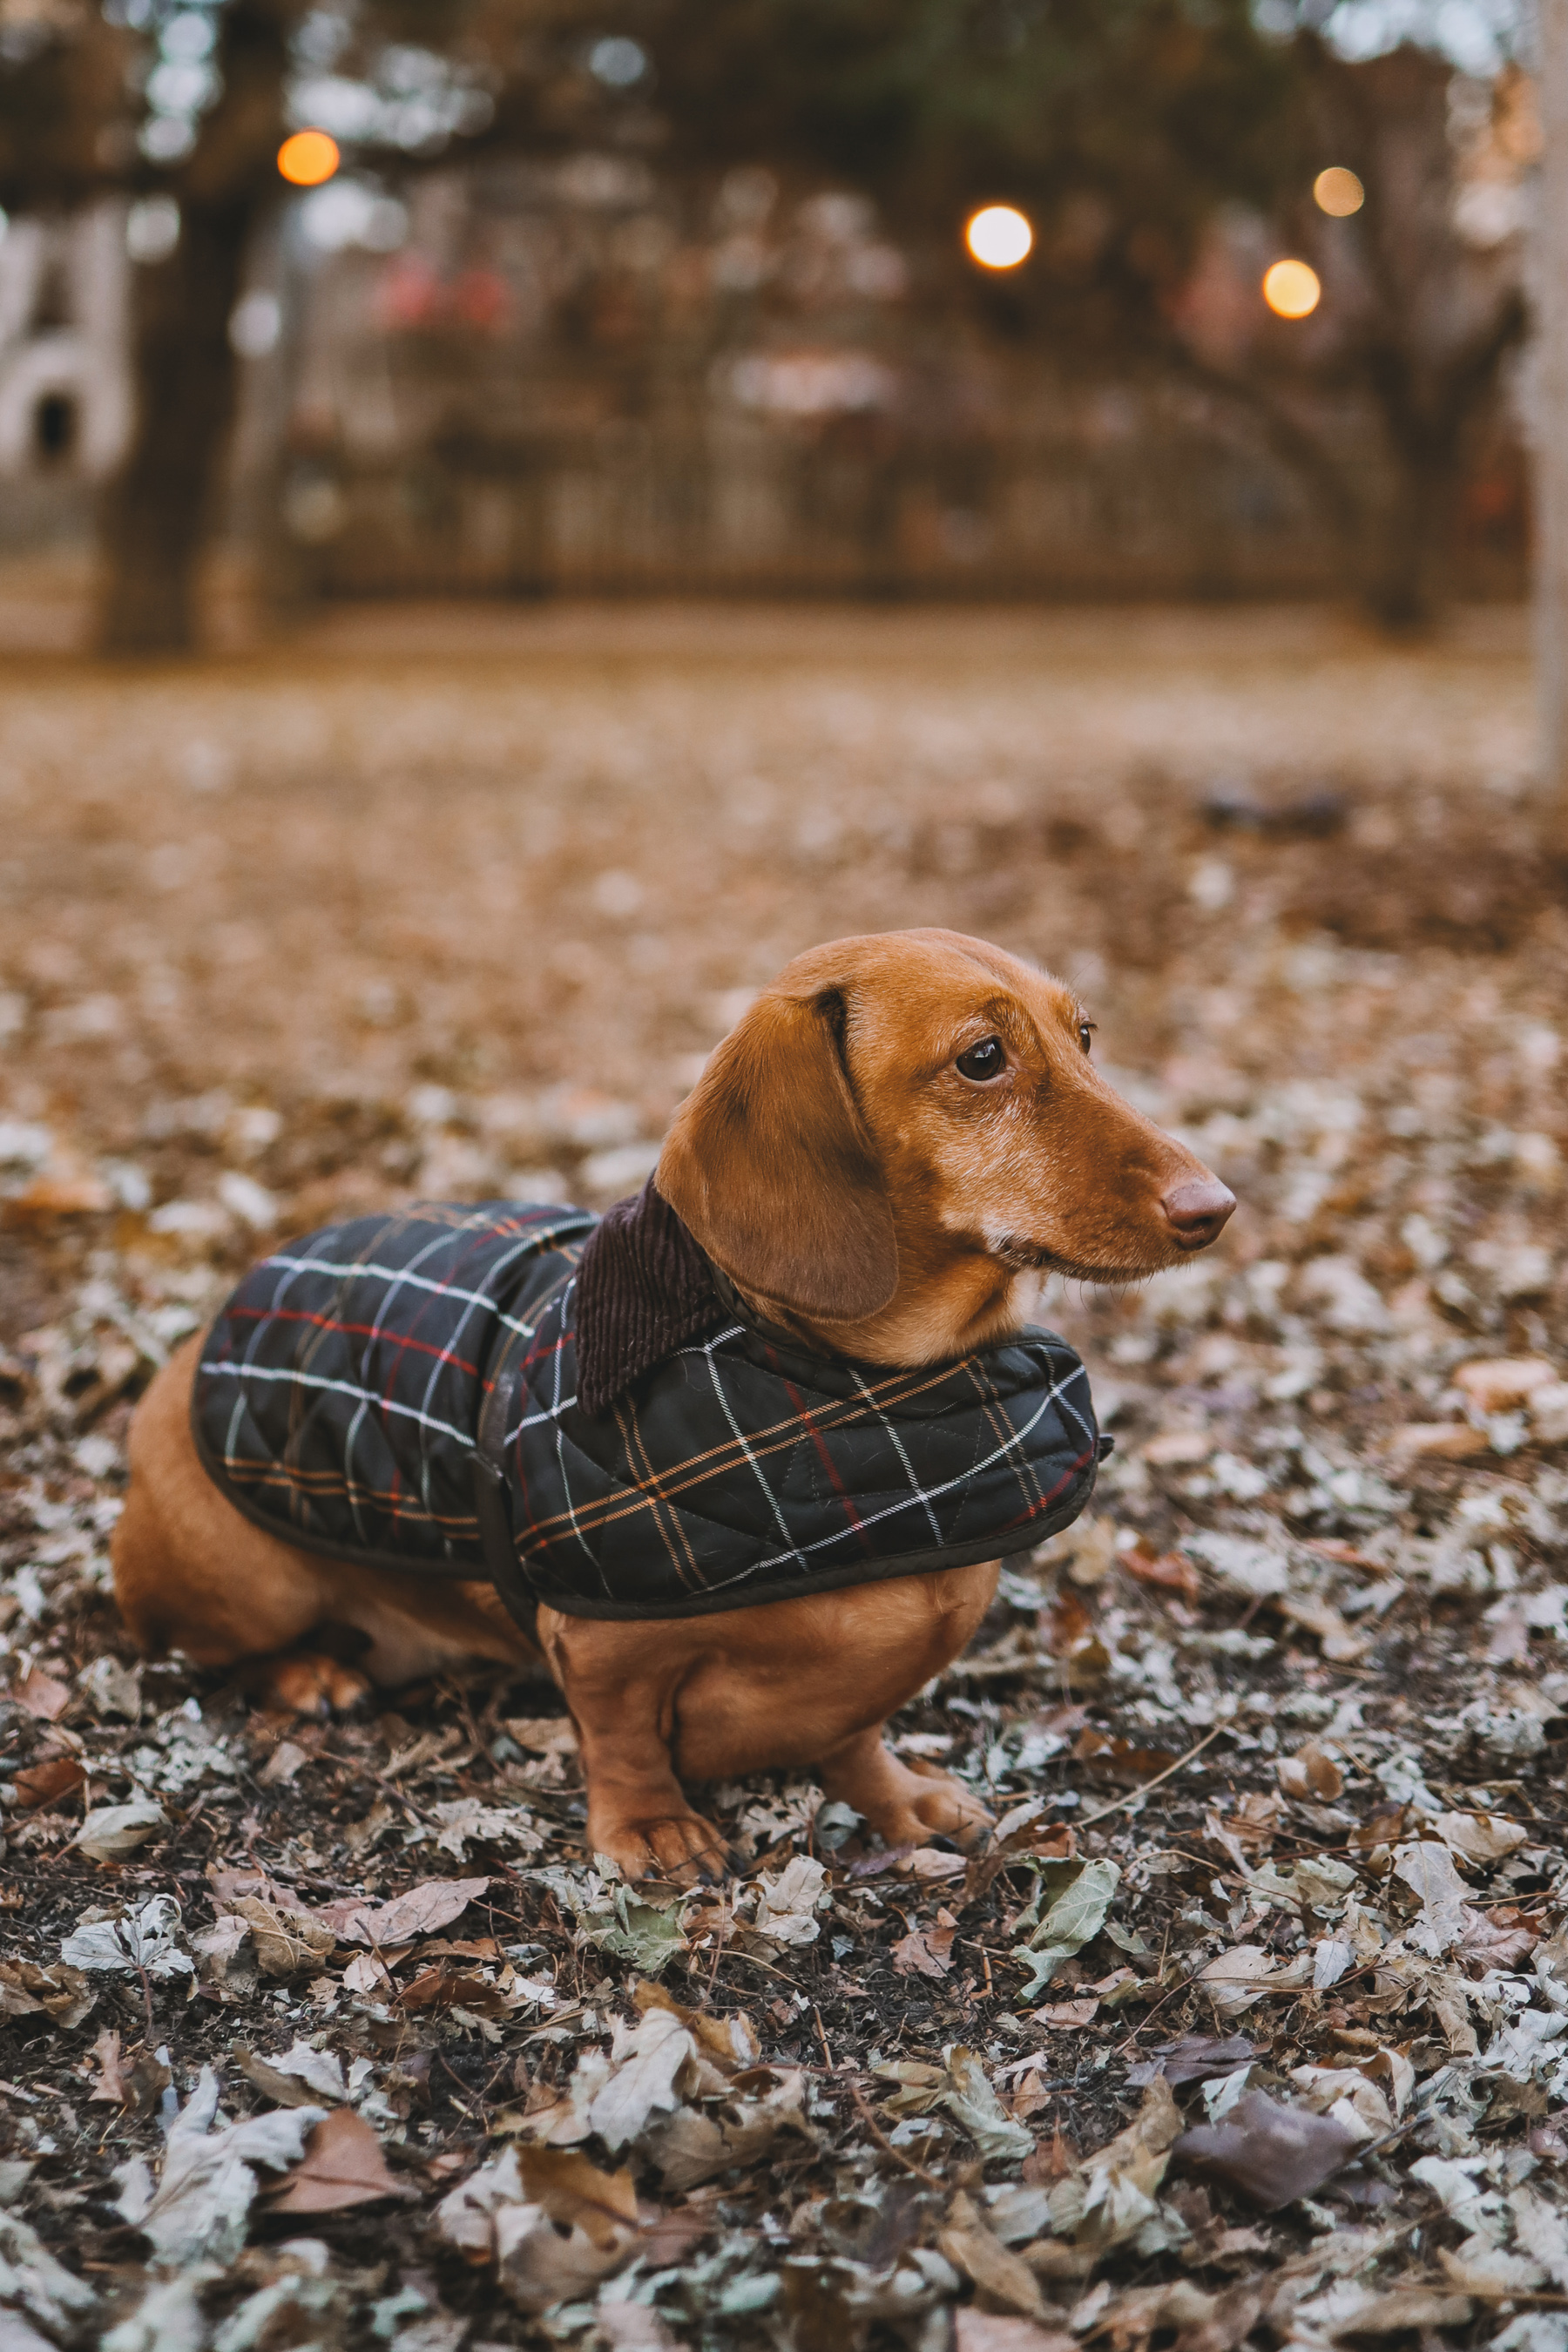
(308, 1683)
(680, 1846)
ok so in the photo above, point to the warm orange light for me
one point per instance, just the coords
(999, 236)
(1338, 193)
(1291, 290)
(307, 158)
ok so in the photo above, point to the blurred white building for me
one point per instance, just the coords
(65, 387)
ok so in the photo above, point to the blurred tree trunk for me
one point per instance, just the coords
(157, 513)
(1409, 539)
(1550, 451)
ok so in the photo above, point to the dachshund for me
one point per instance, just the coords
(900, 1135)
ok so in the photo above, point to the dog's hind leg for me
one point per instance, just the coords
(194, 1574)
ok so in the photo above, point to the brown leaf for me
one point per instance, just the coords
(1119, 1757)
(283, 2090)
(1169, 1571)
(1067, 2014)
(1271, 2154)
(46, 1782)
(1066, 1629)
(1493, 1383)
(343, 2166)
(287, 1943)
(580, 2225)
(1310, 1773)
(924, 1952)
(729, 2041)
(1407, 2310)
(1194, 2058)
(972, 2247)
(1499, 1938)
(40, 1696)
(1235, 2315)
(433, 1904)
(131, 2080)
(991, 2331)
(59, 1991)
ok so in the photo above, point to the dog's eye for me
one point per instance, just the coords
(986, 1060)
(1086, 1034)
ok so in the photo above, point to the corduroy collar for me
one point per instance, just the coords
(643, 1289)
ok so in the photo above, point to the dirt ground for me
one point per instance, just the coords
(1247, 2026)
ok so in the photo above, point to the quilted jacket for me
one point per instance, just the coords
(406, 1391)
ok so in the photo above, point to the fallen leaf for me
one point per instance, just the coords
(543, 1734)
(924, 1952)
(1238, 1980)
(1075, 1918)
(1310, 1773)
(424, 1910)
(1066, 2013)
(972, 2101)
(1170, 1572)
(218, 1947)
(988, 2331)
(1178, 1449)
(786, 1912)
(1500, 1938)
(41, 1697)
(694, 2147)
(343, 2166)
(982, 2257)
(1408, 2311)
(300, 2074)
(1068, 1633)
(112, 1831)
(1480, 1837)
(1428, 1872)
(287, 1943)
(46, 1782)
(1194, 2058)
(135, 2080)
(1448, 1441)
(645, 2062)
(1493, 1383)
(730, 2043)
(579, 2226)
(60, 1991)
(144, 1939)
(282, 1765)
(1120, 1757)
(1271, 2154)
(200, 2208)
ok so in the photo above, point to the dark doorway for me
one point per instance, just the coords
(54, 427)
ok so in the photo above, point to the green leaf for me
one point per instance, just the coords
(972, 2103)
(1075, 1918)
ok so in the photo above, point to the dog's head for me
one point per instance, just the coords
(904, 1123)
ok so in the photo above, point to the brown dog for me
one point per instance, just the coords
(901, 1132)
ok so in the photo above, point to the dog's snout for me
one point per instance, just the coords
(1197, 1209)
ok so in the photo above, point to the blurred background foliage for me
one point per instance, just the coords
(1163, 150)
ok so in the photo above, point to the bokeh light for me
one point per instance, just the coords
(998, 236)
(1338, 193)
(1292, 290)
(307, 158)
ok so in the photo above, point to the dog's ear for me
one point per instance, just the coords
(770, 1165)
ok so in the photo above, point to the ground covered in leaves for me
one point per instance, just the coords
(1248, 2025)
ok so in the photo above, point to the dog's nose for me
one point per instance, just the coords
(1198, 1210)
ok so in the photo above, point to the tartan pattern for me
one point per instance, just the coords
(339, 1392)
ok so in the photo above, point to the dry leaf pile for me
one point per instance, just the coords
(1249, 2025)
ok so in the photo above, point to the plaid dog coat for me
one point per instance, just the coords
(579, 1410)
